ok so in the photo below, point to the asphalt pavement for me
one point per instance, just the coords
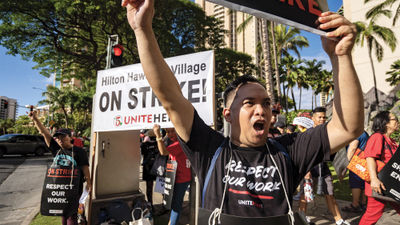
(21, 191)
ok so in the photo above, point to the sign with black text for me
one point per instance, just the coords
(390, 177)
(125, 101)
(169, 183)
(302, 14)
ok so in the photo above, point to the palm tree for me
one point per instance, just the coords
(378, 8)
(394, 74)
(57, 99)
(269, 83)
(370, 33)
(313, 69)
(288, 39)
(293, 72)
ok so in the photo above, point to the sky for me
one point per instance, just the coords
(19, 81)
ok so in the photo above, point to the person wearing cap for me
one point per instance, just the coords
(149, 152)
(61, 147)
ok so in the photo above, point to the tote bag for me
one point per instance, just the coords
(60, 194)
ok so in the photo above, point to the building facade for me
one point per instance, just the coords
(355, 10)
(245, 41)
(8, 108)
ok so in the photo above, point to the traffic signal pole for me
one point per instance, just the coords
(112, 40)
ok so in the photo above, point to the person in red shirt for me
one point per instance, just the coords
(183, 172)
(379, 146)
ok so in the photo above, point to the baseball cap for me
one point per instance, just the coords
(62, 131)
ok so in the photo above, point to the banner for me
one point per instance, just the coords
(124, 99)
(302, 14)
(390, 177)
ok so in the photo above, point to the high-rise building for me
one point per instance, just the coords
(245, 41)
(8, 108)
(355, 10)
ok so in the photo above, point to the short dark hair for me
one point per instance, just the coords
(238, 82)
(380, 121)
(319, 109)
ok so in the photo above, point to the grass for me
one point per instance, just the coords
(341, 188)
(46, 220)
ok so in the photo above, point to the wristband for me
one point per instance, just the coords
(159, 139)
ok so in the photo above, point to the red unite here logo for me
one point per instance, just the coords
(117, 121)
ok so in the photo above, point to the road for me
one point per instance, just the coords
(20, 188)
(7, 165)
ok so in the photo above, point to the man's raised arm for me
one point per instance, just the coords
(348, 105)
(160, 77)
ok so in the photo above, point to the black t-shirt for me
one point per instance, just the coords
(65, 155)
(254, 189)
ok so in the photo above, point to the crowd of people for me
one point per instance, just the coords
(252, 175)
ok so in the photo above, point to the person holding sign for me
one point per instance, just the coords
(183, 174)
(249, 176)
(379, 146)
(67, 155)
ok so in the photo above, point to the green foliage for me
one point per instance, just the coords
(23, 125)
(6, 125)
(41, 220)
(394, 74)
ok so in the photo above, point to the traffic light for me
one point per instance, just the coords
(31, 108)
(117, 55)
(5, 104)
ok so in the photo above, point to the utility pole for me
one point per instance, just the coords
(112, 40)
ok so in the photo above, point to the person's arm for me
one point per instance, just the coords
(42, 130)
(160, 77)
(86, 174)
(348, 104)
(160, 143)
(376, 184)
(352, 149)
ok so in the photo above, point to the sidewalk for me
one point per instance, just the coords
(20, 192)
(318, 211)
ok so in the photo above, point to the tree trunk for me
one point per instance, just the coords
(287, 98)
(312, 100)
(301, 90)
(269, 83)
(294, 101)
(277, 78)
(66, 117)
(374, 77)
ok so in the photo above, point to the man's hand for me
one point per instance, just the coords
(345, 32)
(140, 13)
(33, 115)
(156, 129)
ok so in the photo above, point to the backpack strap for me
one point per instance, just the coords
(210, 169)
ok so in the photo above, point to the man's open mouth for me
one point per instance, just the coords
(259, 126)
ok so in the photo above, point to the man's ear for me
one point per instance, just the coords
(227, 114)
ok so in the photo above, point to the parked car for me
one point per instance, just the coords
(22, 144)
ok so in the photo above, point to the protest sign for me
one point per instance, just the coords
(390, 177)
(60, 194)
(302, 14)
(169, 183)
(124, 99)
